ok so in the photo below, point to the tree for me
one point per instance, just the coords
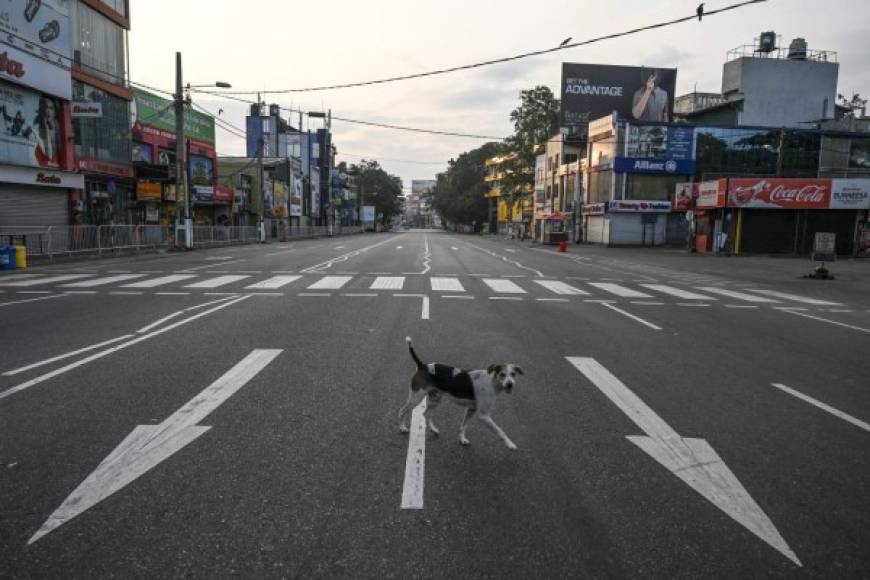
(459, 195)
(380, 189)
(855, 105)
(535, 121)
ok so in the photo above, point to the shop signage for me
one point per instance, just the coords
(593, 208)
(203, 194)
(36, 46)
(711, 194)
(223, 194)
(643, 165)
(95, 166)
(42, 177)
(825, 247)
(780, 193)
(152, 215)
(169, 194)
(86, 109)
(850, 194)
(146, 191)
(296, 193)
(630, 205)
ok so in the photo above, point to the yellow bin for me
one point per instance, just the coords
(21, 256)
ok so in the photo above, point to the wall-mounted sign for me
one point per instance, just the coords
(711, 194)
(149, 191)
(95, 166)
(779, 193)
(42, 177)
(639, 205)
(593, 208)
(86, 109)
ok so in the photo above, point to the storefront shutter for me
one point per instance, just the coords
(33, 206)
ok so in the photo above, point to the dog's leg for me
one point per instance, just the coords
(434, 399)
(414, 398)
(487, 420)
(462, 439)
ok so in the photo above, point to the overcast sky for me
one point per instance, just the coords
(276, 44)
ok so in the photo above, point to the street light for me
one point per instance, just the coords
(218, 84)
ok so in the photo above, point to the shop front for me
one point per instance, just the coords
(782, 216)
(109, 196)
(149, 198)
(708, 215)
(37, 197)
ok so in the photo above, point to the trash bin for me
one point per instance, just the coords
(7, 258)
(21, 257)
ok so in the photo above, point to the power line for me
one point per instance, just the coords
(707, 14)
(373, 157)
(416, 129)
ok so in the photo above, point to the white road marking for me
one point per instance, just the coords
(446, 285)
(693, 304)
(424, 314)
(552, 300)
(427, 256)
(8, 277)
(840, 310)
(314, 294)
(415, 463)
(342, 258)
(38, 281)
(694, 461)
(505, 298)
(102, 281)
(159, 321)
(123, 293)
(172, 293)
(330, 283)
(388, 283)
(465, 297)
(65, 355)
(33, 292)
(218, 282)
(35, 381)
(740, 306)
(823, 406)
(74, 292)
(561, 287)
(796, 298)
(195, 268)
(619, 290)
(32, 299)
(647, 303)
(148, 445)
(503, 286)
(509, 261)
(678, 292)
(274, 282)
(632, 316)
(281, 252)
(736, 295)
(790, 308)
(510, 250)
(454, 248)
(843, 324)
(218, 258)
(398, 247)
(359, 294)
(162, 281)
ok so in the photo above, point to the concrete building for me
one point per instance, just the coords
(418, 211)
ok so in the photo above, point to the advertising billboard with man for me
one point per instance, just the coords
(590, 91)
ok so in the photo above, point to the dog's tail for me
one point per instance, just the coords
(414, 354)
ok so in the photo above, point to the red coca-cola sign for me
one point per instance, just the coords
(780, 193)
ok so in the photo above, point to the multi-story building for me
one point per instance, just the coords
(507, 211)
(101, 111)
(39, 185)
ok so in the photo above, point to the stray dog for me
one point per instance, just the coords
(474, 390)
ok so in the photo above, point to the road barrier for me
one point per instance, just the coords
(51, 241)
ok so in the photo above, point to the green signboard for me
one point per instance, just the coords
(160, 113)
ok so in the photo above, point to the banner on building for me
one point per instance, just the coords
(775, 193)
(86, 109)
(639, 205)
(36, 46)
(684, 196)
(30, 129)
(850, 194)
(296, 193)
(590, 91)
(156, 116)
(146, 191)
(711, 194)
(223, 195)
(279, 190)
(657, 149)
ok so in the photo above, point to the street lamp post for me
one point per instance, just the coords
(180, 150)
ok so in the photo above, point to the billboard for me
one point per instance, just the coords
(590, 91)
(30, 130)
(368, 213)
(779, 193)
(36, 45)
(156, 116)
(657, 149)
(850, 194)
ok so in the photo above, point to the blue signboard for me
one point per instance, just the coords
(647, 165)
(657, 149)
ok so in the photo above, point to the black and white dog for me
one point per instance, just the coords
(474, 390)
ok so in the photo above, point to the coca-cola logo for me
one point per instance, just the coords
(785, 193)
(805, 194)
(10, 66)
(48, 178)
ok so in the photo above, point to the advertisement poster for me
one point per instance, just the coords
(315, 192)
(850, 194)
(279, 190)
(156, 116)
(590, 91)
(780, 193)
(30, 132)
(201, 170)
(368, 213)
(711, 194)
(36, 45)
(630, 205)
(684, 196)
(657, 149)
(296, 193)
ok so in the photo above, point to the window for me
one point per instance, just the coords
(730, 151)
(105, 138)
(119, 6)
(98, 44)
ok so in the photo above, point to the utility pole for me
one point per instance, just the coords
(180, 157)
(261, 222)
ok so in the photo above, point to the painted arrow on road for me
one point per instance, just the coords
(692, 460)
(148, 445)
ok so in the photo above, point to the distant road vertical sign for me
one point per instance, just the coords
(825, 247)
(368, 213)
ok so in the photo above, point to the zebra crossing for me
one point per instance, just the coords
(451, 285)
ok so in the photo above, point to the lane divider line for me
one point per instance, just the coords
(823, 406)
(632, 316)
(415, 462)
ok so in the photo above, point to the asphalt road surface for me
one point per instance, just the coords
(233, 412)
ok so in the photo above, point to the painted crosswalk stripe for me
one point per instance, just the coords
(678, 292)
(49, 280)
(734, 294)
(161, 281)
(388, 283)
(218, 282)
(103, 281)
(446, 284)
(619, 290)
(503, 286)
(796, 298)
(330, 283)
(561, 288)
(273, 282)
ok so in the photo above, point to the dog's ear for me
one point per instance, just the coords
(494, 369)
(518, 369)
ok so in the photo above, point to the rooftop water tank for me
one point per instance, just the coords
(797, 50)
